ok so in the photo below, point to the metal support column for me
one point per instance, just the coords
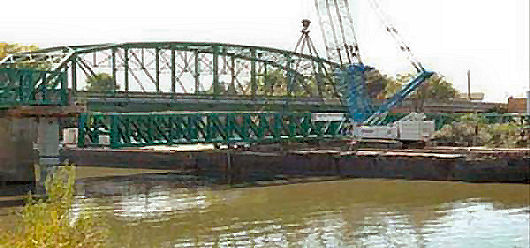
(253, 81)
(173, 73)
(197, 72)
(157, 69)
(126, 68)
(215, 71)
(233, 75)
(64, 88)
(320, 81)
(113, 62)
(73, 72)
(114, 137)
(290, 79)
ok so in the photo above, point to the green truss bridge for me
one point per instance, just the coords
(183, 93)
(178, 92)
(173, 76)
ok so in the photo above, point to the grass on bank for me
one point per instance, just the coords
(51, 222)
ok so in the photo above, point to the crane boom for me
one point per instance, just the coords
(340, 38)
(379, 115)
(338, 31)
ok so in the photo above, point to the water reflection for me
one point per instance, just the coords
(176, 211)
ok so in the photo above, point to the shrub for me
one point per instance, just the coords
(472, 129)
(51, 223)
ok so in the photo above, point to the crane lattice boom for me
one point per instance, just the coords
(338, 31)
(342, 47)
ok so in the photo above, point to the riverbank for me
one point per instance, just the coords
(294, 162)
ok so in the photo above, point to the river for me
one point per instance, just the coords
(172, 210)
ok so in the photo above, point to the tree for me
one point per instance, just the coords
(101, 82)
(434, 88)
(6, 49)
(498, 109)
(273, 83)
(377, 83)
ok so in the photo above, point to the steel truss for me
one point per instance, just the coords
(136, 130)
(190, 68)
(27, 87)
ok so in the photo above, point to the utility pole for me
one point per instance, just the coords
(528, 102)
(469, 85)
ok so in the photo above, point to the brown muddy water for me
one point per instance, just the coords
(164, 209)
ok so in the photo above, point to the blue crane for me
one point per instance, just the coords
(339, 36)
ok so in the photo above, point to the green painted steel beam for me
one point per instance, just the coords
(114, 68)
(215, 70)
(253, 74)
(243, 63)
(173, 71)
(126, 69)
(197, 71)
(30, 87)
(136, 130)
(73, 71)
(157, 69)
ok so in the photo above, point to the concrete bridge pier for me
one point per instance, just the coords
(17, 157)
(20, 128)
(48, 147)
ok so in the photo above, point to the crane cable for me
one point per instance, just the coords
(322, 29)
(357, 53)
(337, 27)
(327, 27)
(341, 25)
(396, 36)
(332, 24)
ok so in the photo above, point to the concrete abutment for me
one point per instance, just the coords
(17, 156)
(23, 129)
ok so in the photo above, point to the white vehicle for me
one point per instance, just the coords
(412, 128)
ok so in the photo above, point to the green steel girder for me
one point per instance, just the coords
(28, 87)
(193, 68)
(137, 130)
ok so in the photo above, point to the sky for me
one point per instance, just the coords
(488, 37)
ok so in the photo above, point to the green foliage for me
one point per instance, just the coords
(473, 119)
(463, 134)
(6, 49)
(436, 88)
(273, 83)
(101, 82)
(51, 222)
(473, 130)
(505, 135)
(379, 85)
(498, 109)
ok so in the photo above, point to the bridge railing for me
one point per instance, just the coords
(28, 87)
(136, 130)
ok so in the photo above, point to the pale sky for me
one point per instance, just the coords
(489, 37)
